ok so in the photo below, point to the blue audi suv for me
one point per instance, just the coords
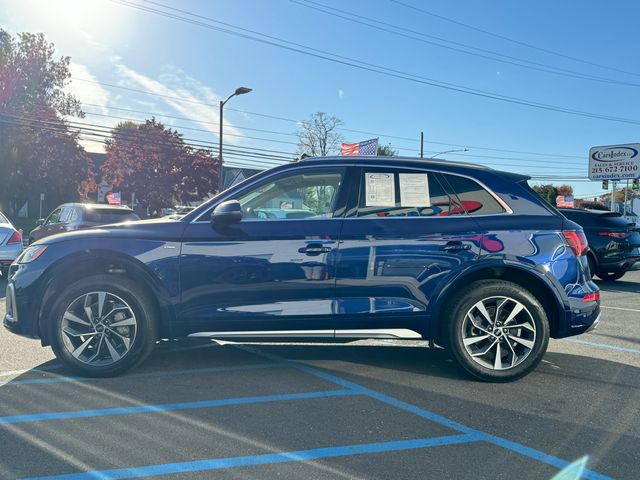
(370, 247)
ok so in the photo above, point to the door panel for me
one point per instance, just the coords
(393, 259)
(275, 270)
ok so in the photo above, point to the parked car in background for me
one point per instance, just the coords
(77, 216)
(176, 212)
(388, 248)
(613, 241)
(10, 244)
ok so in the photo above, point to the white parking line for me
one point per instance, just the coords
(621, 308)
(8, 373)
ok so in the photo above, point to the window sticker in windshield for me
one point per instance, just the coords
(414, 190)
(380, 189)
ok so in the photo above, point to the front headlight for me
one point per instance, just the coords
(31, 253)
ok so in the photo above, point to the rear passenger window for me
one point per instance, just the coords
(472, 196)
(401, 193)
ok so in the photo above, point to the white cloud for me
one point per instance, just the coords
(176, 83)
(89, 93)
(340, 93)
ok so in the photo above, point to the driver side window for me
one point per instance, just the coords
(54, 217)
(293, 196)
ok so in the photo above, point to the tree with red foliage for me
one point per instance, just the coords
(38, 152)
(154, 163)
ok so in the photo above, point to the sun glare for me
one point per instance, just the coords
(91, 18)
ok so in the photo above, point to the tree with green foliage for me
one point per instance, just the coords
(549, 192)
(386, 151)
(38, 151)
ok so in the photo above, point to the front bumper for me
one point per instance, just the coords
(14, 322)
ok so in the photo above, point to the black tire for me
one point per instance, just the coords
(611, 276)
(592, 265)
(482, 290)
(145, 316)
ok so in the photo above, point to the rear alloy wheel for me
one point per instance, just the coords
(499, 331)
(592, 265)
(611, 276)
(103, 326)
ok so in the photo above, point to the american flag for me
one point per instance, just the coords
(113, 198)
(564, 201)
(368, 147)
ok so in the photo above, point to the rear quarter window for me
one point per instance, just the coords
(105, 216)
(475, 199)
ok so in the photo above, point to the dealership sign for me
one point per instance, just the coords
(614, 162)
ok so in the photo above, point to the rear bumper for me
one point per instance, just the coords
(8, 253)
(623, 261)
(580, 320)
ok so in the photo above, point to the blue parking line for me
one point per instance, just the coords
(104, 412)
(163, 373)
(602, 345)
(434, 417)
(267, 459)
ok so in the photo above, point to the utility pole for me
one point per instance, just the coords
(239, 91)
(421, 144)
(613, 196)
(624, 205)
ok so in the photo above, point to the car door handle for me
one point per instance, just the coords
(314, 249)
(455, 247)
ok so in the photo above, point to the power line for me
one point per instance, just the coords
(378, 134)
(203, 131)
(271, 154)
(362, 65)
(512, 40)
(510, 60)
(205, 122)
(105, 134)
(549, 162)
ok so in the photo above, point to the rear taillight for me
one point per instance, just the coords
(15, 238)
(576, 241)
(618, 235)
(591, 297)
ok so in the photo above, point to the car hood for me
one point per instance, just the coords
(154, 229)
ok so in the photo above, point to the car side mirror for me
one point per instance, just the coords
(226, 213)
(40, 221)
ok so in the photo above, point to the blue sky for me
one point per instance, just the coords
(119, 45)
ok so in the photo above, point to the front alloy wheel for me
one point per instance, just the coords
(103, 325)
(98, 328)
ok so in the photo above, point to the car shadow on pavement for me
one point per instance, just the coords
(619, 286)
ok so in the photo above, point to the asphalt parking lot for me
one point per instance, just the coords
(375, 409)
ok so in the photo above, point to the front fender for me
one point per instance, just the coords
(152, 263)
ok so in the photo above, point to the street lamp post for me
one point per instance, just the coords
(448, 151)
(239, 91)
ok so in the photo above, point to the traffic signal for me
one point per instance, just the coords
(605, 184)
(635, 184)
